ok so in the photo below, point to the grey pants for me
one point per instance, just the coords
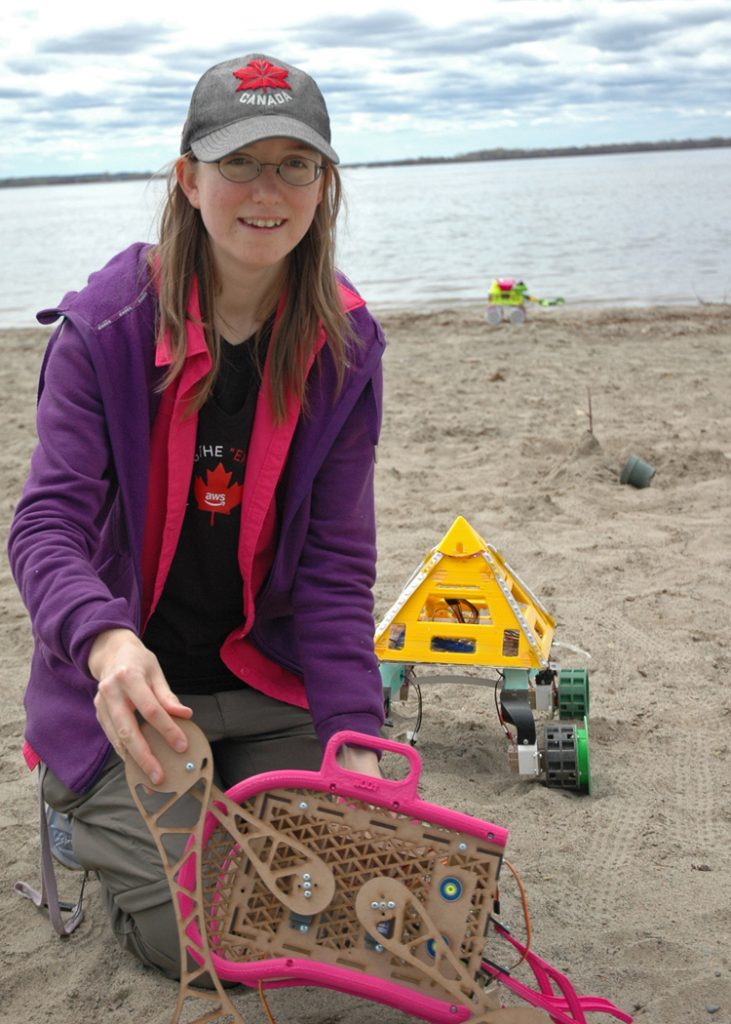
(249, 733)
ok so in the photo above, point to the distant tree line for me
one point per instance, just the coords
(77, 179)
(604, 149)
(607, 149)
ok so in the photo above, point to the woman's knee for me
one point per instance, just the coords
(150, 934)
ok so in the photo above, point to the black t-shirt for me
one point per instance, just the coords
(202, 599)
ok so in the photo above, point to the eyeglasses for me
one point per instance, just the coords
(294, 170)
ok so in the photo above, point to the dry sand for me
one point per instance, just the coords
(629, 889)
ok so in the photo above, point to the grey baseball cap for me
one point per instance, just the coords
(250, 98)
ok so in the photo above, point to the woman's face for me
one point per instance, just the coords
(253, 225)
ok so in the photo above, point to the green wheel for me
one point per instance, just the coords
(583, 772)
(573, 693)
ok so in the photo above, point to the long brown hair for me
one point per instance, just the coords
(311, 296)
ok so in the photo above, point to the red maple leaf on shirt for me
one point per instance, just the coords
(217, 494)
(262, 74)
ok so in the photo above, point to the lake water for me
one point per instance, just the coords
(624, 229)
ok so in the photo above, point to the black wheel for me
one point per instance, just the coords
(566, 756)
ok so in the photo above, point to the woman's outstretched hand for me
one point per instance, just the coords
(131, 681)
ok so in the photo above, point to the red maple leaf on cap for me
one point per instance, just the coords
(262, 74)
(215, 495)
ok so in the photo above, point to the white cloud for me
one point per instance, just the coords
(113, 82)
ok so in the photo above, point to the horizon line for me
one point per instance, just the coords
(476, 156)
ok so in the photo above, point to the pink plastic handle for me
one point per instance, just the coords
(386, 791)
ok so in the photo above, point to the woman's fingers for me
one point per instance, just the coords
(118, 699)
(131, 684)
(359, 759)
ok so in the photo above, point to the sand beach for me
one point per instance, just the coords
(523, 431)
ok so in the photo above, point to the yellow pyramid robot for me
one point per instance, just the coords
(464, 605)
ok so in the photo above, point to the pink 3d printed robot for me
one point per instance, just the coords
(343, 881)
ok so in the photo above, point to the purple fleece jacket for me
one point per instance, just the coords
(76, 540)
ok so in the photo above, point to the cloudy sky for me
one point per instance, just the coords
(104, 87)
